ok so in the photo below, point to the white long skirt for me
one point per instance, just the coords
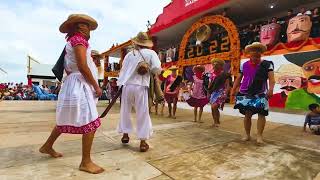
(76, 111)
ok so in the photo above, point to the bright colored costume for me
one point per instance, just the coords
(76, 108)
(256, 100)
(198, 97)
(168, 95)
(218, 95)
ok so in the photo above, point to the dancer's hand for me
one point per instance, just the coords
(270, 93)
(98, 92)
(234, 92)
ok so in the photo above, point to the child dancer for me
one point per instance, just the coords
(198, 97)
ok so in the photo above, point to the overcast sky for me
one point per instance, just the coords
(31, 27)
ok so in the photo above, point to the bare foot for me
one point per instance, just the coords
(50, 151)
(169, 116)
(174, 117)
(246, 138)
(91, 168)
(215, 125)
(200, 121)
(260, 140)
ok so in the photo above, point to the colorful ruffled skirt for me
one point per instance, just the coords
(218, 97)
(257, 104)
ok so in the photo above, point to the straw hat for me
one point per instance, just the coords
(142, 39)
(198, 68)
(256, 47)
(95, 53)
(78, 18)
(172, 68)
(216, 61)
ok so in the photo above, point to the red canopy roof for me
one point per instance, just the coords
(179, 10)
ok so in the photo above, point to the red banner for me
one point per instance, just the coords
(179, 10)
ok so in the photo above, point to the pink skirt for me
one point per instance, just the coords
(170, 97)
(195, 102)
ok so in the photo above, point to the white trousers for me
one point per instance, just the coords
(135, 96)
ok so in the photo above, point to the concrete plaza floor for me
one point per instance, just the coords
(180, 149)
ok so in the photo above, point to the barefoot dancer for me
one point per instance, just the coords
(171, 97)
(76, 107)
(198, 98)
(254, 93)
(135, 89)
(219, 88)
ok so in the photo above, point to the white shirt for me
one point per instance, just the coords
(128, 73)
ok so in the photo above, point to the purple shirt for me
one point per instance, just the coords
(249, 71)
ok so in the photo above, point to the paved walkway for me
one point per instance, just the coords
(180, 149)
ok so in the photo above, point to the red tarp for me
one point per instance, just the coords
(179, 10)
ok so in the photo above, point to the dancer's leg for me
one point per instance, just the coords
(86, 164)
(260, 127)
(195, 111)
(47, 148)
(247, 125)
(200, 114)
(175, 101)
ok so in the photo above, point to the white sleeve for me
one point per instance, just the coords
(155, 66)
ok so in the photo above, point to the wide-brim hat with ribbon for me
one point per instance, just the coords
(142, 39)
(301, 58)
(256, 47)
(172, 68)
(67, 25)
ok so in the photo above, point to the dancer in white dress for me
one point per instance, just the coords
(76, 111)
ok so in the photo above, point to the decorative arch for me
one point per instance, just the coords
(233, 54)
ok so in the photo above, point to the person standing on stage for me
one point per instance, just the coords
(135, 83)
(254, 90)
(76, 111)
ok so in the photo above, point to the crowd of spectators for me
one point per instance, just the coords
(251, 33)
(19, 91)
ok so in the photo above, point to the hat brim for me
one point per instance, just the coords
(301, 58)
(146, 43)
(66, 26)
(255, 48)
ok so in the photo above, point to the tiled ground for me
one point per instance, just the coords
(180, 149)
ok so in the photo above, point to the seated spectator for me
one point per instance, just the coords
(303, 11)
(313, 119)
(274, 20)
(315, 18)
